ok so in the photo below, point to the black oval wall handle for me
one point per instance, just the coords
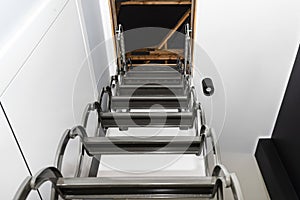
(208, 87)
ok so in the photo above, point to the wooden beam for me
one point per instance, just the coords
(167, 51)
(156, 64)
(113, 20)
(193, 25)
(171, 32)
(166, 46)
(118, 6)
(154, 57)
(113, 13)
(145, 2)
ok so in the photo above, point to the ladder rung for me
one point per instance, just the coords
(146, 102)
(151, 145)
(139, 187)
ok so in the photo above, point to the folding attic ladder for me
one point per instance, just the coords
(133, 96)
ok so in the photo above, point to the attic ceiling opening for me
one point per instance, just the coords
(154, 30)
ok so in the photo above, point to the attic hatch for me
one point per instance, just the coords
(154, 30)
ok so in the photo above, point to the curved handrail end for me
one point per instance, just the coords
(23, 190)
(47, 174)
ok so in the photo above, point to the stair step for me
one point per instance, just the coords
(151, 145)
(137, 187)
(124, 120)
(151, 90)
(152, 80)
(153, 74)
(153, 68)
(146, 102)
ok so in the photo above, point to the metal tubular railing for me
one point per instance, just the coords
(187, 48)
(121, 48)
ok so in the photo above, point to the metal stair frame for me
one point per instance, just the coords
(222, 178)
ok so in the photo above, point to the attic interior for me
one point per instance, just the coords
(149, 99)
(167, 20)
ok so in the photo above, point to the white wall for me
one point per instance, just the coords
(108, 31)
(18, 45)
(253, 45)
(13, 169)
(92, 20)
(14, 14)
(98, 31)
(49, 90)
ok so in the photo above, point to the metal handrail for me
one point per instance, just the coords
(187, 50)
(236, 187)
(105, 90)
(229, 180)
(51, 174)
(23, 190)
(61, 149)
(121, 47)
(215, 147)
(77, 131)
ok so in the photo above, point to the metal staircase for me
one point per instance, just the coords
(146, 96)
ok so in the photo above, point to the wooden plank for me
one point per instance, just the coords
(154, 57)
(171, 32)
(166, 52)
(171, 2)
(193, 25)
(113, 13)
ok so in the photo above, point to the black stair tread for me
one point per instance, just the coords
(142, 119)
(134, 145)
(156, 86)
(153, 74)
(152, 90)
(146, 102)
(153, 71)
(147, 114)
(137, 187)
(153, 78)
(147, 98)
